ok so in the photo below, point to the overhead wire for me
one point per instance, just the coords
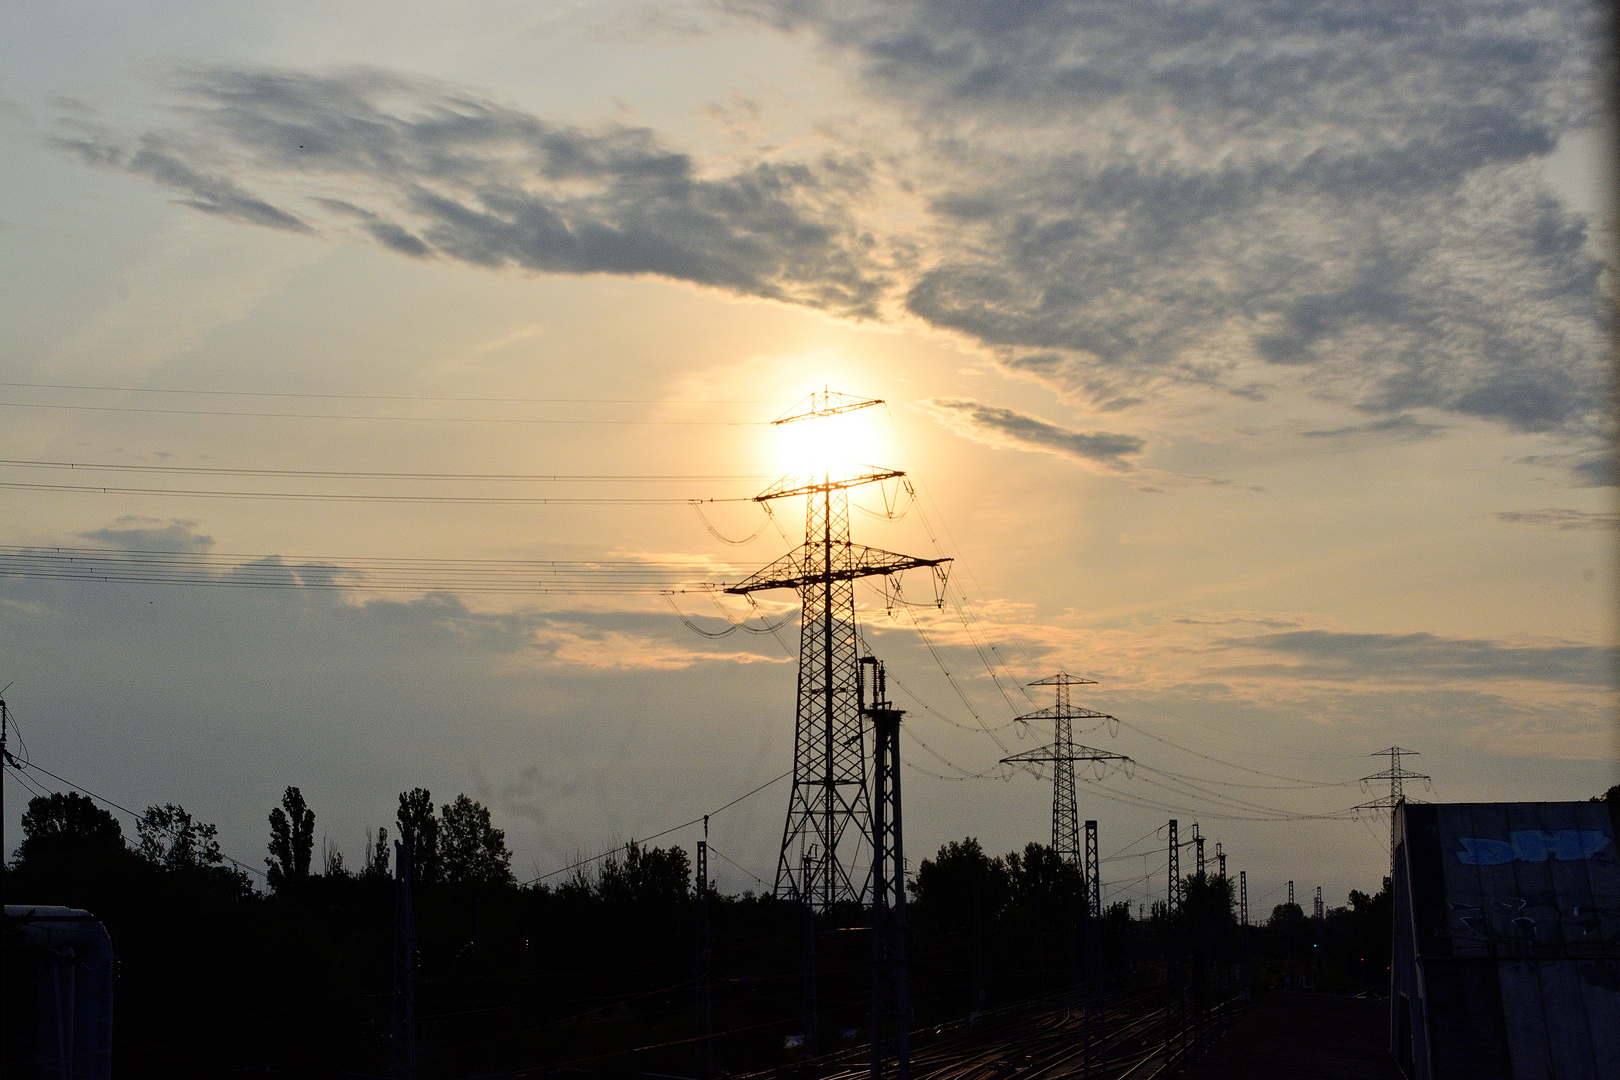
(366, 497)
(364, 474)
(658, 835)
(139, 817)
(362, 573)
(262, 415)
(381, 397)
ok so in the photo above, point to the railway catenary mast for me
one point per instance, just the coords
(829, 808)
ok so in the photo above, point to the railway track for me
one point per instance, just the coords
(1046, 1040)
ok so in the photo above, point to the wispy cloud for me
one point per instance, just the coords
(999, 427)
(1344, 656)
(434, 170)
(1566, 520)
(1402, 426)
(1129, 194)
(1114, 199)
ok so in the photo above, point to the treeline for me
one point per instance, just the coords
(594, 972)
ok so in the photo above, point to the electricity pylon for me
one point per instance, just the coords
(1397, 777)
(1062, 755)
(830, 805)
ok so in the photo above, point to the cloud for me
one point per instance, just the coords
(1352, 657)
(1565, 520)
(1129, 195)
(163, 159)
(149, 534)
(995, 426)
(434, 170)
(1403, 426)
(1596, 471)
(1117, 199)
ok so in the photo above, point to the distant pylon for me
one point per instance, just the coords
(1062, 754)
(1397, 777)
(829, 807)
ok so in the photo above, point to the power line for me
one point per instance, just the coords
(209, 569)
(357, 474)
(658, 835)
(304, 496)
(383, 397)
(141, 817)
(361, 416)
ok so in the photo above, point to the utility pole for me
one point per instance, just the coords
(1096, 1021)
(1220, 860)
(1290, 894)
(828, 807)
(1198, 849)
(404, 1043)
(1061, 755)
(1321, 926)
(978, 954)
(5, 760)
(1243, 925)
(891, 1003)
(806, 902)
(705, 1010)
(1177, 1004)
(1173, 901)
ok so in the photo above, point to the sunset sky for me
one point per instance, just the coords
(1250, 359)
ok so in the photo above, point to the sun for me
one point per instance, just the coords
(834, 447)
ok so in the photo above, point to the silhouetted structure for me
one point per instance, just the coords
(829, 808)
(65, 958)
(1506, 952)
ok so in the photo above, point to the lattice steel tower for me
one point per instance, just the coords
(1397, 777)
(1062, 755)
(830, 806)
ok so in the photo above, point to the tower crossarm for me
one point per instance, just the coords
(825, 402)
(797, 484)
(1053, 754)
(796, 569)
(1065, 712)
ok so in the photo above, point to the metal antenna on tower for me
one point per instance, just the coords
(1062, 754)
(829, 807)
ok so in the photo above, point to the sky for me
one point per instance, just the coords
(1253, 360)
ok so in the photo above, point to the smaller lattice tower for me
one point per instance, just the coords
(1061, 755)
(1397, 777)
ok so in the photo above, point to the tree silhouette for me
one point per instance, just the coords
(67, 826)
(943, 887)
(171, 840)
(377, 854)
(645, 875)
(292, 841)
(419, 831)
(472, 851)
